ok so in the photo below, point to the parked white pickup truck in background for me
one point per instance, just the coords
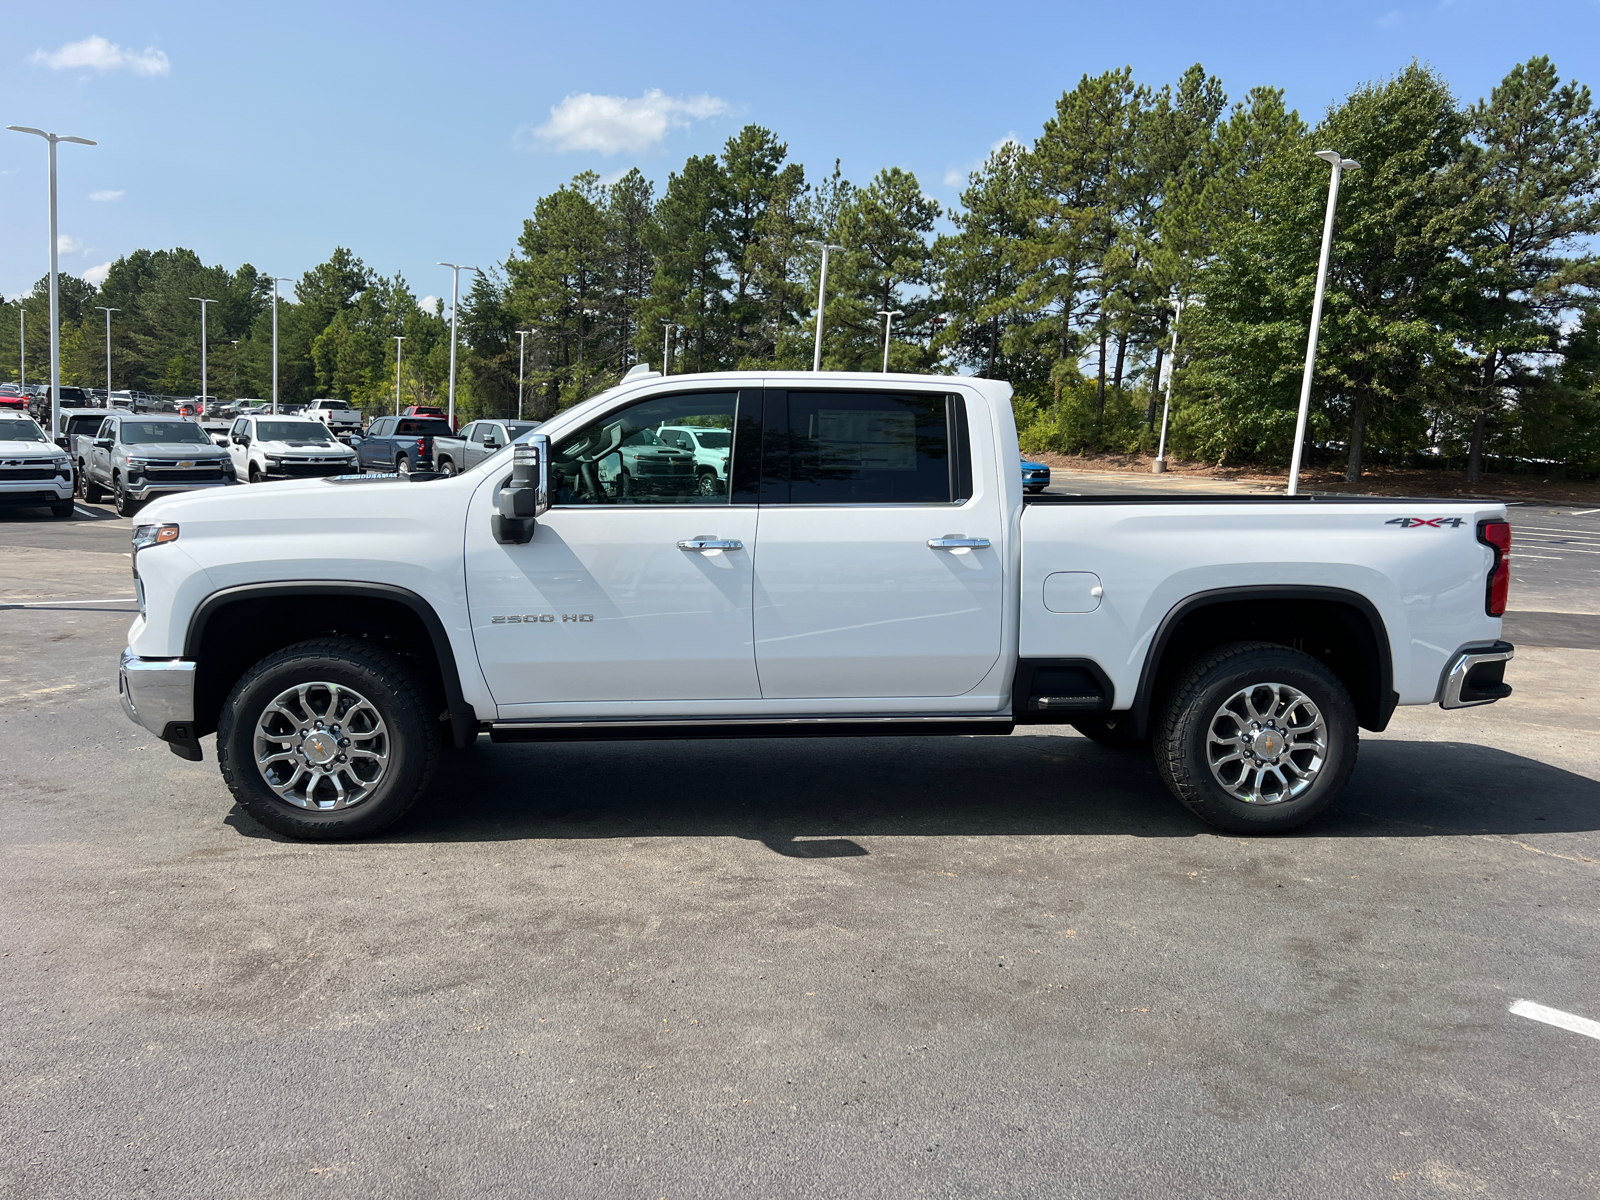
(34, 471)
(871, 567)
(337, 415)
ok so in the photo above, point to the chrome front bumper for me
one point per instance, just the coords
(148, 488)
(1476, 676)
(158, 693)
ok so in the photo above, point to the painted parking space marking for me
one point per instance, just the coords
(1554, 1016)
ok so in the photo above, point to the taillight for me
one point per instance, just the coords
(1497, 536)
(422, 445)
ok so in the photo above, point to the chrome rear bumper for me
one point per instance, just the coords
(1476, 676)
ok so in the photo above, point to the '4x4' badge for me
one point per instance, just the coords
(1429, 522)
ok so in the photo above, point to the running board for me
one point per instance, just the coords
(676, 728)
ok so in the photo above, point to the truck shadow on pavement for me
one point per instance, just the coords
(812, 798)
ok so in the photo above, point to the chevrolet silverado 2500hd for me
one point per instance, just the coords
(872, 567)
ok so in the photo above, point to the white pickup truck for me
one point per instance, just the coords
(871, 568)
(337, 415)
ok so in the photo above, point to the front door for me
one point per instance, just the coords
(636, 587)
(879, 572)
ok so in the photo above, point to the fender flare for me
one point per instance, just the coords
(1388, 698)
(463, 717)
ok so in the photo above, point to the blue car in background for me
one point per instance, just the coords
(1035, 476)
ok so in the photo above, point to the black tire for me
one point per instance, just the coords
(1183, 742)
(447, 468)
(391, 686)
(402, 465)
(91, 490)
(254, 475)
(1035, 490)
(125, 504)
(1112, 730)
(62, 511)
(708, 484)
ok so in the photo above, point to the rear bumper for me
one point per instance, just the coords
(1476, 675)
(158, 693)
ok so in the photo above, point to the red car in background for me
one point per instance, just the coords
(11, 397)
(422, 410)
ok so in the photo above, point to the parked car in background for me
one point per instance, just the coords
(137, 457)
(1035, 476)
(76, 423)
(400, 444)
(463, 451)
(264, 448)
(33, 471)
(711, 447)
(423, 410)
(337, 415)
(13, 398)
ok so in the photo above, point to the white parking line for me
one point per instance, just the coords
(52, 603)
(1554, 1016)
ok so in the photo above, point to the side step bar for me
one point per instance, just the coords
(677, 728)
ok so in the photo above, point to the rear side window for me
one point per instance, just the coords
(838, 447)
(425, 427)
(381, 428)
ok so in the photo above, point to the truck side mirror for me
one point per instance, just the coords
(526, 497)
(103, 443)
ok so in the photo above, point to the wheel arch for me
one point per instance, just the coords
(1340, 628)
(297, 610)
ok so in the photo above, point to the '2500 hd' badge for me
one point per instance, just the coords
(540, 618)
(1427, 522)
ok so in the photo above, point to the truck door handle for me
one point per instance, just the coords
(702, 542)
(959, 543)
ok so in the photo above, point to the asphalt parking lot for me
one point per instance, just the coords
(945, 967)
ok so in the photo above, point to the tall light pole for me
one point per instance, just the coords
(235, 342)
(455, 304)
(888, 315)
(822, 296)
(204, 385)
(55, 301)
(522, 356)
(1160, 465)
(108, 312)
(398, 338)
(1340, 165)
(22, 342)
(276, 280)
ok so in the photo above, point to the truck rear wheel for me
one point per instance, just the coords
(1256, 738)
(330, 738)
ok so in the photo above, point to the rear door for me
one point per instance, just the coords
(879, 570)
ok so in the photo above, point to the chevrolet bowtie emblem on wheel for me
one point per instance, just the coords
(541, 618)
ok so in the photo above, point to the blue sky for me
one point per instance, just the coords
(412, 133)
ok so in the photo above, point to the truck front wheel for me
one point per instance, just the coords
(1256, 738)
(330, 738)
(91, 490)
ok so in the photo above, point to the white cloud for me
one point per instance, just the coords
(97, 275)
(96, 54)
(67, 244)
(107, 194)
(956, 177)
(607, 124)
(429, 304)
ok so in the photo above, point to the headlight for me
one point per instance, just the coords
(274, 458)
(63, 465)
(145, 536)
(138, 462)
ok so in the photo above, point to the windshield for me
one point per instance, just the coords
(294, 431)
(147, 433)
(645, 437)
(26, 430)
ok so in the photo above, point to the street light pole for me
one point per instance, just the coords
(666, 341)
(822, 295)
(455, 305)
(276, 279)
(22, 343)
(1340, 165)
(108, 312)
(398, 338)
(1160, 465)
(55, 300)
(522, 357)
(888, 315)
(204, 385)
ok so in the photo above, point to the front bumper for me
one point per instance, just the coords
(1476, 675)
(146, 487)
(294, 470)
(37, 491)
(158, 693)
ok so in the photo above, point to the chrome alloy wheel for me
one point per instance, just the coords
(322, 746)
(1266, 743)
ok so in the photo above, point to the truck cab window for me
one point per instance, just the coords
(864, 448)
(622, 459)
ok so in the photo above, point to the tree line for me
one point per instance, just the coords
(1460, 325)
